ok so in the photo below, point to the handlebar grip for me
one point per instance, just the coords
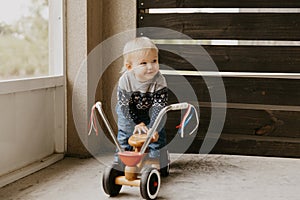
(179, 106)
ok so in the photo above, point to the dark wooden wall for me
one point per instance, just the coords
(263, 112)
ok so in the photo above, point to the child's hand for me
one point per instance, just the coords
(139, 128)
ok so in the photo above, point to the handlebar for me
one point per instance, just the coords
(177, 106)
(106, 122)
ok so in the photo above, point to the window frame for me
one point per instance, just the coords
(57, 52)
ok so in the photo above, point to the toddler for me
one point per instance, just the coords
(142, 93)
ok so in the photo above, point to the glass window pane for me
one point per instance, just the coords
(23, 38)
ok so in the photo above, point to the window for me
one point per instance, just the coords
(24, 38)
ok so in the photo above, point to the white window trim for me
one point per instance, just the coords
(29, 84)
(34, 167)
(56, 37)
(57, 61)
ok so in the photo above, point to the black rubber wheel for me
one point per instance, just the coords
(164, 163)
(108, 180)
(150, 183)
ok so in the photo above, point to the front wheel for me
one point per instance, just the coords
(108, 180)
(150, 183)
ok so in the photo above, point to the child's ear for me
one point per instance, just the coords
(128, 66)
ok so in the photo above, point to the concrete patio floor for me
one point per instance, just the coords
(217, 177)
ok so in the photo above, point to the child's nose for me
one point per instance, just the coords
(149, 66)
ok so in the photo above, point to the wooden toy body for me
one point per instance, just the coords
(134, 167)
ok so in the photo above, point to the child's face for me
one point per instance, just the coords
(146, 67)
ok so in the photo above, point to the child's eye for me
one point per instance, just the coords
(154, 61)
(143, 63)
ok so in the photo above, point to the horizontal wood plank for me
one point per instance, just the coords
(232, 58)
(246, 122)
(265, 91)
(253, 146)
(243, 26)
(218, 4)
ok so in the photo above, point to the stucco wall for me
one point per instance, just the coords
(89, 22)
(118, 16)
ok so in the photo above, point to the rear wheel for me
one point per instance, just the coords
(108, 180)
(150, 183)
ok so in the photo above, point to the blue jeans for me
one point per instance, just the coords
(153, 147)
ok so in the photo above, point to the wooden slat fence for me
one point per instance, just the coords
(263, 107)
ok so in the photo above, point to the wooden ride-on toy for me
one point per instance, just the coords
(139, 171)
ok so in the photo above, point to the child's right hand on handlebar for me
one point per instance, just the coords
(140, 128)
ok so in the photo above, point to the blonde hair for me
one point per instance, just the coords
(136, 48)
